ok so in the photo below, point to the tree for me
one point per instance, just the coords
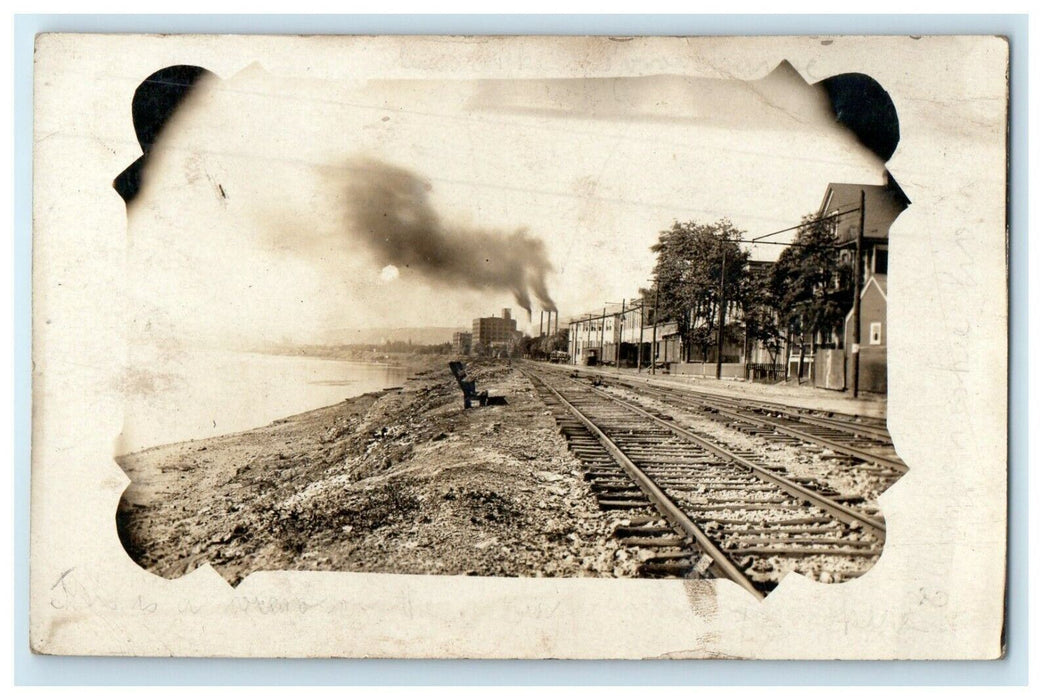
(811, 283)
(541, 347)
(556, 341)
(529, 346)
(697, 267)
(759, 310)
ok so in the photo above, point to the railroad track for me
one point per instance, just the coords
(860, 426)
(699, 508)
(866, 442)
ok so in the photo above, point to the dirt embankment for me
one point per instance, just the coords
(401, 481)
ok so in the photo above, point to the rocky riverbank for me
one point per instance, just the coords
(400, 481)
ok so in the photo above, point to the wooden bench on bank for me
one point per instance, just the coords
(469, 388)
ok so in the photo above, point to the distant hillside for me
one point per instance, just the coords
(418, 336)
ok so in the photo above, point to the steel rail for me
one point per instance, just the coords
(661, 500)
(843, 424)
(888, 462)
(841, 512)
(800, 414)
(833, 445)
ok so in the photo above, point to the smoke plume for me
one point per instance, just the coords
(390, 210)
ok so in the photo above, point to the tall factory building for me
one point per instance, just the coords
(495, 335)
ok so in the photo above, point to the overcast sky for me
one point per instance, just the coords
(245, 226)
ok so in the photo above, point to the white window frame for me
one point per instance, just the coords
(875, 333)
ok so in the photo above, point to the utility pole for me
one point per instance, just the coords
(591, 330)
(583, 337)
(721, 309)
(619, 336)
(641, 327)
(656, 314)
(858, 272)
(573, 332)
(601, 342)
(747, 352)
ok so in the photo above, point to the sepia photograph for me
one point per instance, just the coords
(549, 309)
(462, 422)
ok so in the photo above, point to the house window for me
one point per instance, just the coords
(882, 261)
(875, 337)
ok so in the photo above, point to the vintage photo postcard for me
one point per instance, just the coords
(519, 347)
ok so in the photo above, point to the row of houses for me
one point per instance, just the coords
(627, 336)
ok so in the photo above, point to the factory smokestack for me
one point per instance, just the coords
(389, 207)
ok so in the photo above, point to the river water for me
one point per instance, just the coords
(186, 394)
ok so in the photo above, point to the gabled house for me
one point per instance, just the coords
(882, 205)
